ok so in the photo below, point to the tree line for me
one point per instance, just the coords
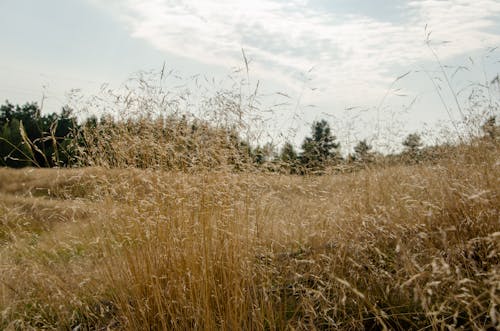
(30, 138)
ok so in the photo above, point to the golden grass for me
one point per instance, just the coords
(402, 247)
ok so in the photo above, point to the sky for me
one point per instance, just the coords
(335, 59)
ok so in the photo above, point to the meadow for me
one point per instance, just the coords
(403, 247)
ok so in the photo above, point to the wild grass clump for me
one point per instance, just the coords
(147, 125)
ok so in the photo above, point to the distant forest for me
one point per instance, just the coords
(30, 138)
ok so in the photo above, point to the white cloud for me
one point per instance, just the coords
(289, 37)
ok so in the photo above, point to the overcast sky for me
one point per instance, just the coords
(333, 54)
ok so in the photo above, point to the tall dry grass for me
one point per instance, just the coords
(402, 247)
(210, 243)
(150, 124)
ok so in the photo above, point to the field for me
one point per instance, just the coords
(396, 247)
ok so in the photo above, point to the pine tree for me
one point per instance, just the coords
(321, 149)
(412, 144)
(289, 158)
(362, 152)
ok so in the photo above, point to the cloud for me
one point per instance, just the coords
(286, 38)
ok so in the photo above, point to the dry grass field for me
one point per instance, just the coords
(401, 247)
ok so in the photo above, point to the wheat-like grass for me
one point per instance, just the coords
(402, 247)
(169, 223)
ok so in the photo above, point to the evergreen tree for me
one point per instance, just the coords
(412, 144)
(30, 138)
(321, 149)
(362, 152)
(289, 158)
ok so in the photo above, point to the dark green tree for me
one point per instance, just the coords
(289, 158)
(412, 142)
(362, 152)
(14, 150)
(30, 138)
(321, 149)
(412, 145)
